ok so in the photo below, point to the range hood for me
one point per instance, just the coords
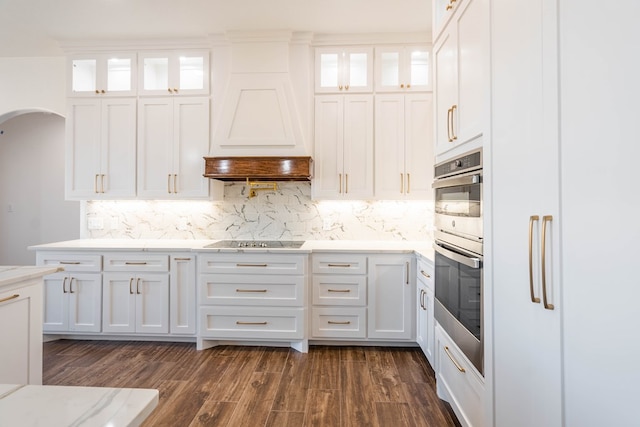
(265, 168)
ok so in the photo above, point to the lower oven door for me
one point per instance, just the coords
(458, 299)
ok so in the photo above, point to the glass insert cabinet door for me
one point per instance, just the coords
(102, 75)
(403, 69)
(344, 70)
(174, 73)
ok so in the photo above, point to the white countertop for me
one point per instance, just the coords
(10, 275)
(422, 248)
(57, 406)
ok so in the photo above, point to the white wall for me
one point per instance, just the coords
(32, 83)
(32, 206)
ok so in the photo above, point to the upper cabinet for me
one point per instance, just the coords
(174, 73)
(344, 69)
(459, 82)
(110, 74)
(443, 10)
(402, 68)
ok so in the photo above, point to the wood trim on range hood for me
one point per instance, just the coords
(258, 168)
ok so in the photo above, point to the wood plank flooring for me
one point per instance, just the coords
(260, 386)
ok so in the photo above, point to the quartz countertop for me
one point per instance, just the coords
(37, 405)
(422, 248)
(10, 275)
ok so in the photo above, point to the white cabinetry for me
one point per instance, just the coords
(136, 293)
(101, 148)
(112, 74)
(73, 298)
(343, 160)
(339, 296)
(174, 73)
(404, 146)
(252, 296)
(344, 69)
(182, 295)
(458, 382)
(403, 68)
(442, 12)
(425, 321)
(391, 292)
(459, 83)
(173, 137)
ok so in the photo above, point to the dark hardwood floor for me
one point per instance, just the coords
(260, 386)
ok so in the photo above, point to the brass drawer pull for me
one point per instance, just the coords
(251, 265)
(182, 259)
(251, 290)
(135, 263)
(339, 265)
(250, 323)
(340, 290)
(333, 322)
(69, 262)
(9, 298)
(460, 368)
(425, 274)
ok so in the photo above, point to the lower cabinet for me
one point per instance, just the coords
(457, 381)
(252, 296)
(72, 302)
(425, 320)
(182, 295)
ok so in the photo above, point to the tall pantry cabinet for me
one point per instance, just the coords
(562, 261)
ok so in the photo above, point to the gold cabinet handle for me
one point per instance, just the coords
(175, 90)
(545, 220)
(340, 181)
(97, 91)
(64, 285)
(408, 183)
(250, 323)
(333, 322)
(449, 7)
(69, 262)
(401, 183)
(339, 265)
(346, 87)
(346, 183)
(95, 184)
(532, 219)
(138, 286)
(135, 263)
(182, 259)
(169, 183)
(455, 362)
(130, 289)
(251, 265)
(408, 85)
(71, 285)
(14, 296)
(340, 87)
(401, 85)
(252, 290)
(453, 127)
(339, 290)
(170, 90)
(425, 274)
(449, 125)
(103, 91)
(102, 183)
(175, 183)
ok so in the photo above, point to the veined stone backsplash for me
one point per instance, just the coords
(286, 214)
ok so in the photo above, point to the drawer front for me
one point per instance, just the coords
(425, 273)
(71, 261)
(251, 289)
(252, 264)
(252, 323)
(136, 262)
(459, 379)
(339, 290)
(344, 263)
(339, 322)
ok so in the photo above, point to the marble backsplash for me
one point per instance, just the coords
(286, 214)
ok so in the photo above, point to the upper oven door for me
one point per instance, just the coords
(458, 205)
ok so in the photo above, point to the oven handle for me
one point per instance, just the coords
(473, 262)
(458, 180)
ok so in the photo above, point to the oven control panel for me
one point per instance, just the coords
(467, 162)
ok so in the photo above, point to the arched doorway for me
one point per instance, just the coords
(32, 205)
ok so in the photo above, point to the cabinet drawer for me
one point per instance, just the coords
(252, 264)
(136, 262)
(70, 261)
(252, 322)
(463, 390)
(425, 273)
(339, 290)
(340, 264)
(241, 289)
(340, 322)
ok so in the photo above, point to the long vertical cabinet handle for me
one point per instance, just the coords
(532, 219)
(453, 127)
(175, 183)
(102, 183)
(95, 184)
(340, 183)
(169, 183)
(64, 285)
(545, 220)
(407, 281)
(401, 183)
(449, 125)
(408, 183)
(346, 183)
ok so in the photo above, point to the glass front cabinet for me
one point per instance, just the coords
(174, 73)
(111, 74)
(344, 69)
(402, 69)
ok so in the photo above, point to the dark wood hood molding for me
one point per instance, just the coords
(258, 168)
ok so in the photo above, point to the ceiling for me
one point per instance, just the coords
(35, 27)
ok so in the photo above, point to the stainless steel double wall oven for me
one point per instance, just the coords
(458, 253)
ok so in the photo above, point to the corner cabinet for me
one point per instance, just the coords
(404, 146)
(173, 138)
(343, 160)
(459, 81)
(391, 308)
(100, 148)
(344, 69)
